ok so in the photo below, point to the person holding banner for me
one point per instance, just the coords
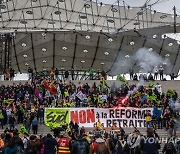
(148, 119)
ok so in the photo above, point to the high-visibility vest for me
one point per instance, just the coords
(63, 146)
(148, 118)
(1, 116)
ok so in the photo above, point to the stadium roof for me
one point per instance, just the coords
(82, 34)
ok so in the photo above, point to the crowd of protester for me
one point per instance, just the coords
(82, 141)
(25, 104)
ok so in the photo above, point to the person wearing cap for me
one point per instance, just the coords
(64, 144)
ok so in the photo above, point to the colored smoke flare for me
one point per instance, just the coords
(125, 99)
(122, 101)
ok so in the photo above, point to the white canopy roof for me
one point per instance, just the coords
(54, 33)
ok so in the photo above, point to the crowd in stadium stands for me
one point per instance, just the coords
(25, 103)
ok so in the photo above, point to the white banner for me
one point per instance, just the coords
(124, 117)
(81, 96)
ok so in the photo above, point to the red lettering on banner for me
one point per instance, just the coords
(90, 116)
(83, 116)
(74, 116)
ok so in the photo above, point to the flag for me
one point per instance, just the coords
(151, 85)
(22, 130)
(8, 101)
(38, 94)
(99, 125)
(121, 79)
(81, 96)
(51, 87)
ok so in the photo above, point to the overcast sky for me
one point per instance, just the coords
(165, 6)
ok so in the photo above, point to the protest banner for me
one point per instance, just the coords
(121, 116)
(83, 116)
(81, 96)
(56, 117)
(103, 98)
(88, 117)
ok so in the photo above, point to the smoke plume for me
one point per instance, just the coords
(142, 60)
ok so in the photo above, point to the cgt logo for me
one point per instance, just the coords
(83, 116)
(57, 118)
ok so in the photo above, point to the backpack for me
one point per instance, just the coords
(112, 145)
(81, 147)
(102, 148)
(31, 148)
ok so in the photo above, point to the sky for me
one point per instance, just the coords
(165, 6)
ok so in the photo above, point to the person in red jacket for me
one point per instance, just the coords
(64, 144)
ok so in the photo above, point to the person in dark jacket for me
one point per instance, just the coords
(11, 122)
(169, 148)
(50, 145)
(34, 125)
(40, 115)
(81, 146)
(150, 144)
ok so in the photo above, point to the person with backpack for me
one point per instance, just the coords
(169, 148)
(81, 146)
(121, 146)
(34, 125)
(31, 148)
(110, 142)
(99, 146)
(133, 141)
(50, 145)
(25, 140)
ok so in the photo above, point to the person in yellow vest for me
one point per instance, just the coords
(66, 93)
(1, 119)
(148, 118)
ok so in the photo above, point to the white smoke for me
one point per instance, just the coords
(148, 60)
(177, 106)
(144, 60)
(140, 83)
